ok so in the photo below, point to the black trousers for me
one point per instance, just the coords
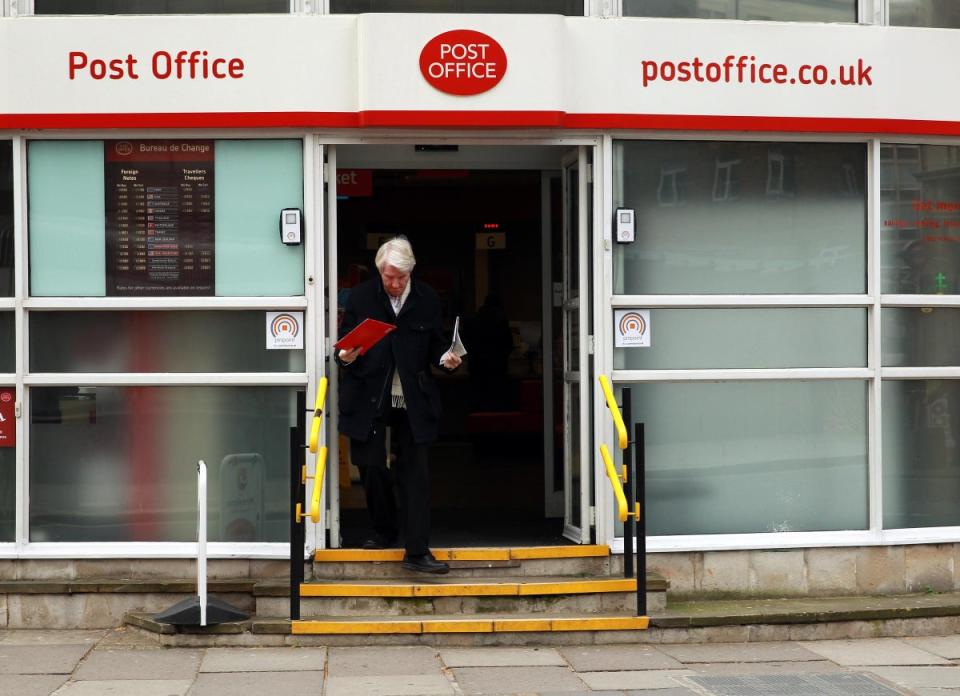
(411, 472)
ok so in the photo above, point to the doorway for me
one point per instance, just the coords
(491, 229)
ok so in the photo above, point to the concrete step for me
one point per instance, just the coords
(533, 561)
(454, 595)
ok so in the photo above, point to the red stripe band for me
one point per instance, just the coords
(479, 119)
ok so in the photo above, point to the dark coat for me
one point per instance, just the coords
(417, 344)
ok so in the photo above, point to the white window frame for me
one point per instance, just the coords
(311, 303)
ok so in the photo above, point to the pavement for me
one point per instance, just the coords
(124, 662)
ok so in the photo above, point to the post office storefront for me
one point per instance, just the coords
(794, 259)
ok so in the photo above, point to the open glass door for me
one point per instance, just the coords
(576, 373)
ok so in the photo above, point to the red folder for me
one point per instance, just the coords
(365, 336)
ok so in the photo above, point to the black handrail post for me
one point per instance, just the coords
(640, 476)
(297, 494)
(628, 526)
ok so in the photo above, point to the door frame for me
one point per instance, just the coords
(325, 155)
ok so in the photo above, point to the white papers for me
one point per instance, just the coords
(456, 347)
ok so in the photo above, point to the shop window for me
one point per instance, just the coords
(143, 7)
(562, 7)
(225, 341)
(133, 452)
(773, 10)
(6, 218)
(925, 13)
(811, 241)
(920, 225)
(162, 218)
(790, 457)
(750, 338)
(921, 448)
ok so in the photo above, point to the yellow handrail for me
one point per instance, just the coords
(318, 416)
(614, 411)
(615, 482)
(318, 484)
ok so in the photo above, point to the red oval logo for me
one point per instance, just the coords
(463, 62)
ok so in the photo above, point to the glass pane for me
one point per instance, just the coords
(925, 13)
(920, 233)
(67, 218)
(776, 10)
(572, 236)
(562, 7)
(743, 218)
(252, 182)
(745, 338)
(747, 457)
(573, 455)
(120, 7)
(920, 336)
(8, 361)
(6, 218)
(154, 342)
(133, 452)
(921, 459)
(8, 493)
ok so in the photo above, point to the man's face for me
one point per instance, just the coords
(394, 280)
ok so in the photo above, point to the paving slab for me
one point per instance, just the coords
(264, 660)
(41, 659)
(676, 691)
(234, 683)
(944, 646)
(936, 692)
(31, 684)
(494, 680)
(740, 652)
(124, 637)
(393, 685)
(846, 684)
(928, 677)
(125, 687)
(43, 637)
(745, 668)
(159, 664)
(609, 658)
(502, 657)
(879, 651)
(376, 662)
(639, 680)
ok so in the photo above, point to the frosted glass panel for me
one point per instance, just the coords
(66, 203)
(750, 338)
(925, 13)
(563, 7)
(921, 337)
(83, 7)
(133, 451)
(777, 10)
(742, 218)
(746, 457)
(921, 453)
(256, 179)
(920, 219)
(230, 341)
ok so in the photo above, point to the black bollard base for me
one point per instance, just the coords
(187, 613)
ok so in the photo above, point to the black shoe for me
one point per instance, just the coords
(425, 563)
(378, 541)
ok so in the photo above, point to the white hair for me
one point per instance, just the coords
(396, 252)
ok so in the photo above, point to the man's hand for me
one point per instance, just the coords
(450, 361)
(348, 356)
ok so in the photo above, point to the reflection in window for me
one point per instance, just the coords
(921, 453)
(920, 219)
(925, 13)
(811, 241)
(561, 7)
(133, 453)
(673, 185)
(775, 10)
(135, 7)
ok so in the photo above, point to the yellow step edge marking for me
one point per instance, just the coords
(458, 626)
(580, 551)
(468, 554)
(342, 627)
(577, 587)
(467, 590)
(602, 623)
(343, 589)
(507, 625)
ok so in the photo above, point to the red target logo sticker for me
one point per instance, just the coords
(632, 328)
